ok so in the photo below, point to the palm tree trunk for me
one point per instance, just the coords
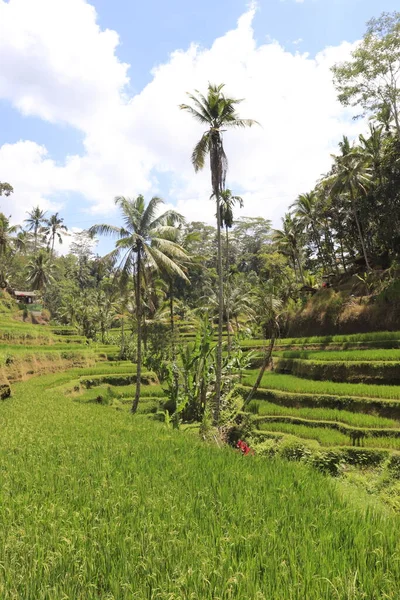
(218, 374)
(300, 269)
(35, 236)
(171, 316)
(139, 336)
(342, 254)
(267, 359)
(360, 235)
(228, 316)
(122, 349)
(319, 249)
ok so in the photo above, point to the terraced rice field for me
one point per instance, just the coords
(346, 406)
(95, 504)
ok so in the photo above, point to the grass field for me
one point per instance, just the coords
(328, 437)
(95, 504)
(379, 354)
(323, 414)
(290, 383)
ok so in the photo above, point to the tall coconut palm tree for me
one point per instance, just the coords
(227, 203)
(215, 112)
(373, 148)
(288, 240)
(306, 211)
(36, 217)
(40, 271)
(143, 242)
(352, 177)
(54, 227)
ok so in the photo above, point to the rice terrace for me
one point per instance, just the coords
(200, 409)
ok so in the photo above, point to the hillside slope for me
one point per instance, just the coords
(349, 306)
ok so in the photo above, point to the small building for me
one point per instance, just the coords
(25, 297)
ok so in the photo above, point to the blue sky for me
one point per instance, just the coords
(148, 33)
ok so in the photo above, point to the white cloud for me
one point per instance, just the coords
(57, 64)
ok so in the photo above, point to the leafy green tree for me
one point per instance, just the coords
(36, 217)
(371, 79)
(6, 189)
(216, 112)
(142, 243)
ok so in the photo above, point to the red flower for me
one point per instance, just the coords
(244, 448)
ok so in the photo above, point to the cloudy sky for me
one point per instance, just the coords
(89, 95)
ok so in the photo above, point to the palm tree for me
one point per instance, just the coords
(217, 113)
(288, 240)
(373, 147)
(34, 221)
(8, 241)
(54, 227)
(306, 207)
(40, 271)
(142, 242)
(227, 202)
(352, 177)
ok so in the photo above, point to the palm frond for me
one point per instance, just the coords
(196, 114)
(168, 218)
(164, 262)
(241, 123)
(149, 219)
(104, 229)
(200, 151)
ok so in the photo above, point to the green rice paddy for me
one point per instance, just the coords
(96, 504)
(289, 383)
(322, 414)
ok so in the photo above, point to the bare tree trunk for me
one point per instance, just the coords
(300, 269)
(267, 360)
(139, 337)
(342, 254)
(171, 316)
(319, 249)
(360, 234)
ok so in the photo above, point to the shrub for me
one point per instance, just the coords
(394, 466)
(293, 449)
(328, 462)
(267, 448)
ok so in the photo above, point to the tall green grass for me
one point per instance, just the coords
(322, 414)
(387, 355)
(341, 339)
(328, 437)
(289, 383)
(95, 504)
